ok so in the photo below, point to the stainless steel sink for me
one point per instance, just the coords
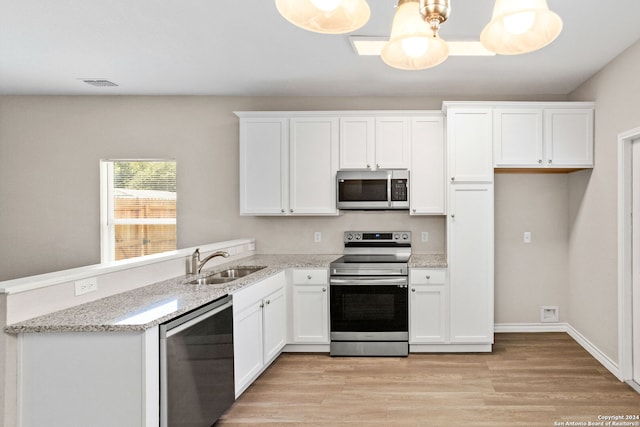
(227, 275)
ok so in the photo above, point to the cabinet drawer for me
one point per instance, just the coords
(315, 276)
(422, 276)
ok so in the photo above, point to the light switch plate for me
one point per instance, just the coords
(526, 238)
(424, 236)
(317, 237)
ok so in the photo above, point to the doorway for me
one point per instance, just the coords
(629, 257)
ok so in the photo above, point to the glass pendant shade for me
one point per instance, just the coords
(413, 44)
(325, 16)
(520, 26)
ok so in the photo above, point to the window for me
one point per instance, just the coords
(138, 208)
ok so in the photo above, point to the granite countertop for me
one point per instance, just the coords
(428, 261)
(148, 306)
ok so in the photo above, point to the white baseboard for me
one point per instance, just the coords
(530, 327)
(604, 360)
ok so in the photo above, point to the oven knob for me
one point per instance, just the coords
(358, 236)
(396, 236)
(349, 236)
(405, 236)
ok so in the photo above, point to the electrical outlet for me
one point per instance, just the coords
(526, 238)
(425, 236)
(317, 237)
(85, 286)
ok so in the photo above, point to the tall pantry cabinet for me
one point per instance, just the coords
(470, 252)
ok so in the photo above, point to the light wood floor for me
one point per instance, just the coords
(529, 380)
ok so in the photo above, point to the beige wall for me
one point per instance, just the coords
(528, 276)
(593, 204)
(51, 147)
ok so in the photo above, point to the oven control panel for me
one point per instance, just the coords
(377, 236)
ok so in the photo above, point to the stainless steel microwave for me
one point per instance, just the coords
(379, 189)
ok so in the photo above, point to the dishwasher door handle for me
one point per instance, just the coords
(181, 327)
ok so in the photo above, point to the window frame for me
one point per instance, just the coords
(107, 218)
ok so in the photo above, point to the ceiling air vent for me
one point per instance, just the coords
(99, 82)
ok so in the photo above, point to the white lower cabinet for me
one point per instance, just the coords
(259, 328)
(310, 307)
(427, 306)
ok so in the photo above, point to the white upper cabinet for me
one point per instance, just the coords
(427, 181)
(517, 137)
(288, 164)
(381, 142)
(357, 142)
(393, 147)
(568, 137)
(264, 166)
(313, 161)
(470, 141)
(543, 136)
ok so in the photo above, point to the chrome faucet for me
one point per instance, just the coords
(197, 264)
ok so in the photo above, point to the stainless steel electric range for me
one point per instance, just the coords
(369, 296)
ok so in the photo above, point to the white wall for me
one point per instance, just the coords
(593, 203)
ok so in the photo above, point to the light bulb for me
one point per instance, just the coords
(519, 23)
(415, 46)
(326, 5)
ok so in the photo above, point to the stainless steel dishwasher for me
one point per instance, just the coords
(196, 366)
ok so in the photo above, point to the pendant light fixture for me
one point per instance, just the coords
(325, 16)
(520, 26)
(516, 27)
(414, 42)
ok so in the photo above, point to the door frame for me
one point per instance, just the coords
(625, 262)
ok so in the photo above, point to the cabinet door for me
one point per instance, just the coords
(517, 137)
(310, 314)
(568, 137)
(427, 166)
(275, 334)
(357, 143)
(247, 344)
(470, 144)
(313, 166)
(427, 322)
(263, 166)
(470, 247)
(393, 147)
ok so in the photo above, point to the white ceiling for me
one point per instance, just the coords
(244, 47)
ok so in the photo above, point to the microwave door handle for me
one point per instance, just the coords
(389, 188)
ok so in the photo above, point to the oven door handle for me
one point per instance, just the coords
(402, 282)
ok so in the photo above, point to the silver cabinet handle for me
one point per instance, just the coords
(261, 305)
(282, 210)
(309, 277)
(540, 161)
(453, 178)
(324, 289)
(268, 301)
(428, 277)
(377, 166)
(550, 161)
(414, 210)
(453, 215)
(413, 289)
(291, 210)
(368, 166)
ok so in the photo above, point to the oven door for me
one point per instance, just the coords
(369, 308)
